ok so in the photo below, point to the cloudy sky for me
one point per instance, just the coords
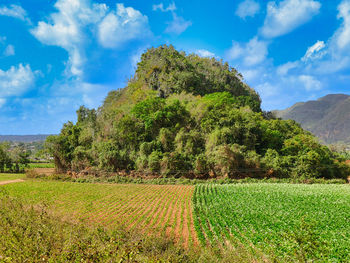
(60, 54)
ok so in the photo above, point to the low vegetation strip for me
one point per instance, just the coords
(280, 222)
(33, 234)
(145, 207)
(11, 181)
(9, 177)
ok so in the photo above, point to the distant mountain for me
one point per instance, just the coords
(23, 138)
(328, 117)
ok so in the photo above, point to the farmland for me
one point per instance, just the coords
(41, 165)
(152, 208)
(279, 222)
(264, 221)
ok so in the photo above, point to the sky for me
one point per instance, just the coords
(57, 55)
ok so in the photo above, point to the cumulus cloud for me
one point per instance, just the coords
(251, 53)
(9, 51)
(15, 11)
(204, 53)
(310, 83)
(75, 24)
(121, 26)
(342, 36)
(313, 52)
(247, 8)
(171, 7)
(178, 25)
(66, 29)
(285, 68)
(16, 80)
(332, 56)
(286, 16)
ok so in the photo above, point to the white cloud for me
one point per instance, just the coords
(16, 80)
(77, 22)
(247, 8)
(171, 7)
(204, 53)
(121, 26)
(250, 74)
(2, 102)
(335, 54)
(9, 51)
(342, 35)
(285, 68)
(310, 83)
(313, 52)
(66, 29)
(15, 11)
(178, 25)
(251, 53)
(287, 16)
(267, 90)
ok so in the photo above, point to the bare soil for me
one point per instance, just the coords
(11, 181)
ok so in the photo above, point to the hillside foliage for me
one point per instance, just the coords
(13, 159)
(184, 115)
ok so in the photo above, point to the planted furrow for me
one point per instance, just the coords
(136, 209)
(145, 215)
(116, 207)
(185, 223)
(179, 219)
(159, 217)
(121, 207)
(167, 218)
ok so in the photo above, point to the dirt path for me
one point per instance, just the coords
(11, 181)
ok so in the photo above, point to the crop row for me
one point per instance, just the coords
(149, 208)
(281, 222)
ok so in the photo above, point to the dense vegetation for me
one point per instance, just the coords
(281, 223)
(13, 159)
(183, 115)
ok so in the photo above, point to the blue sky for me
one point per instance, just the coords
(57, 55)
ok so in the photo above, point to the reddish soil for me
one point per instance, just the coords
(148, 208)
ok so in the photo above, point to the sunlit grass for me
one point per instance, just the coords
(284, 222)
(7, 177)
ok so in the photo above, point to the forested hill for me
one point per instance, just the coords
(328, 117)
(184, 115)
(23, 138)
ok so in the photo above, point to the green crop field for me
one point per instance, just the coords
(271, 222)
(147, 207)
(281, 222)
(41, 165)
(7, 177)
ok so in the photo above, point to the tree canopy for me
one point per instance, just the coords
(184, 115)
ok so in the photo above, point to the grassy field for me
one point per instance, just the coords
(41, 165)
(152, 208)
(281, 222)
(259, 221)
(7, 177)
(34, 234)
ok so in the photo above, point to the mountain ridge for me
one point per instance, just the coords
(327, 117)
(24, 138)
